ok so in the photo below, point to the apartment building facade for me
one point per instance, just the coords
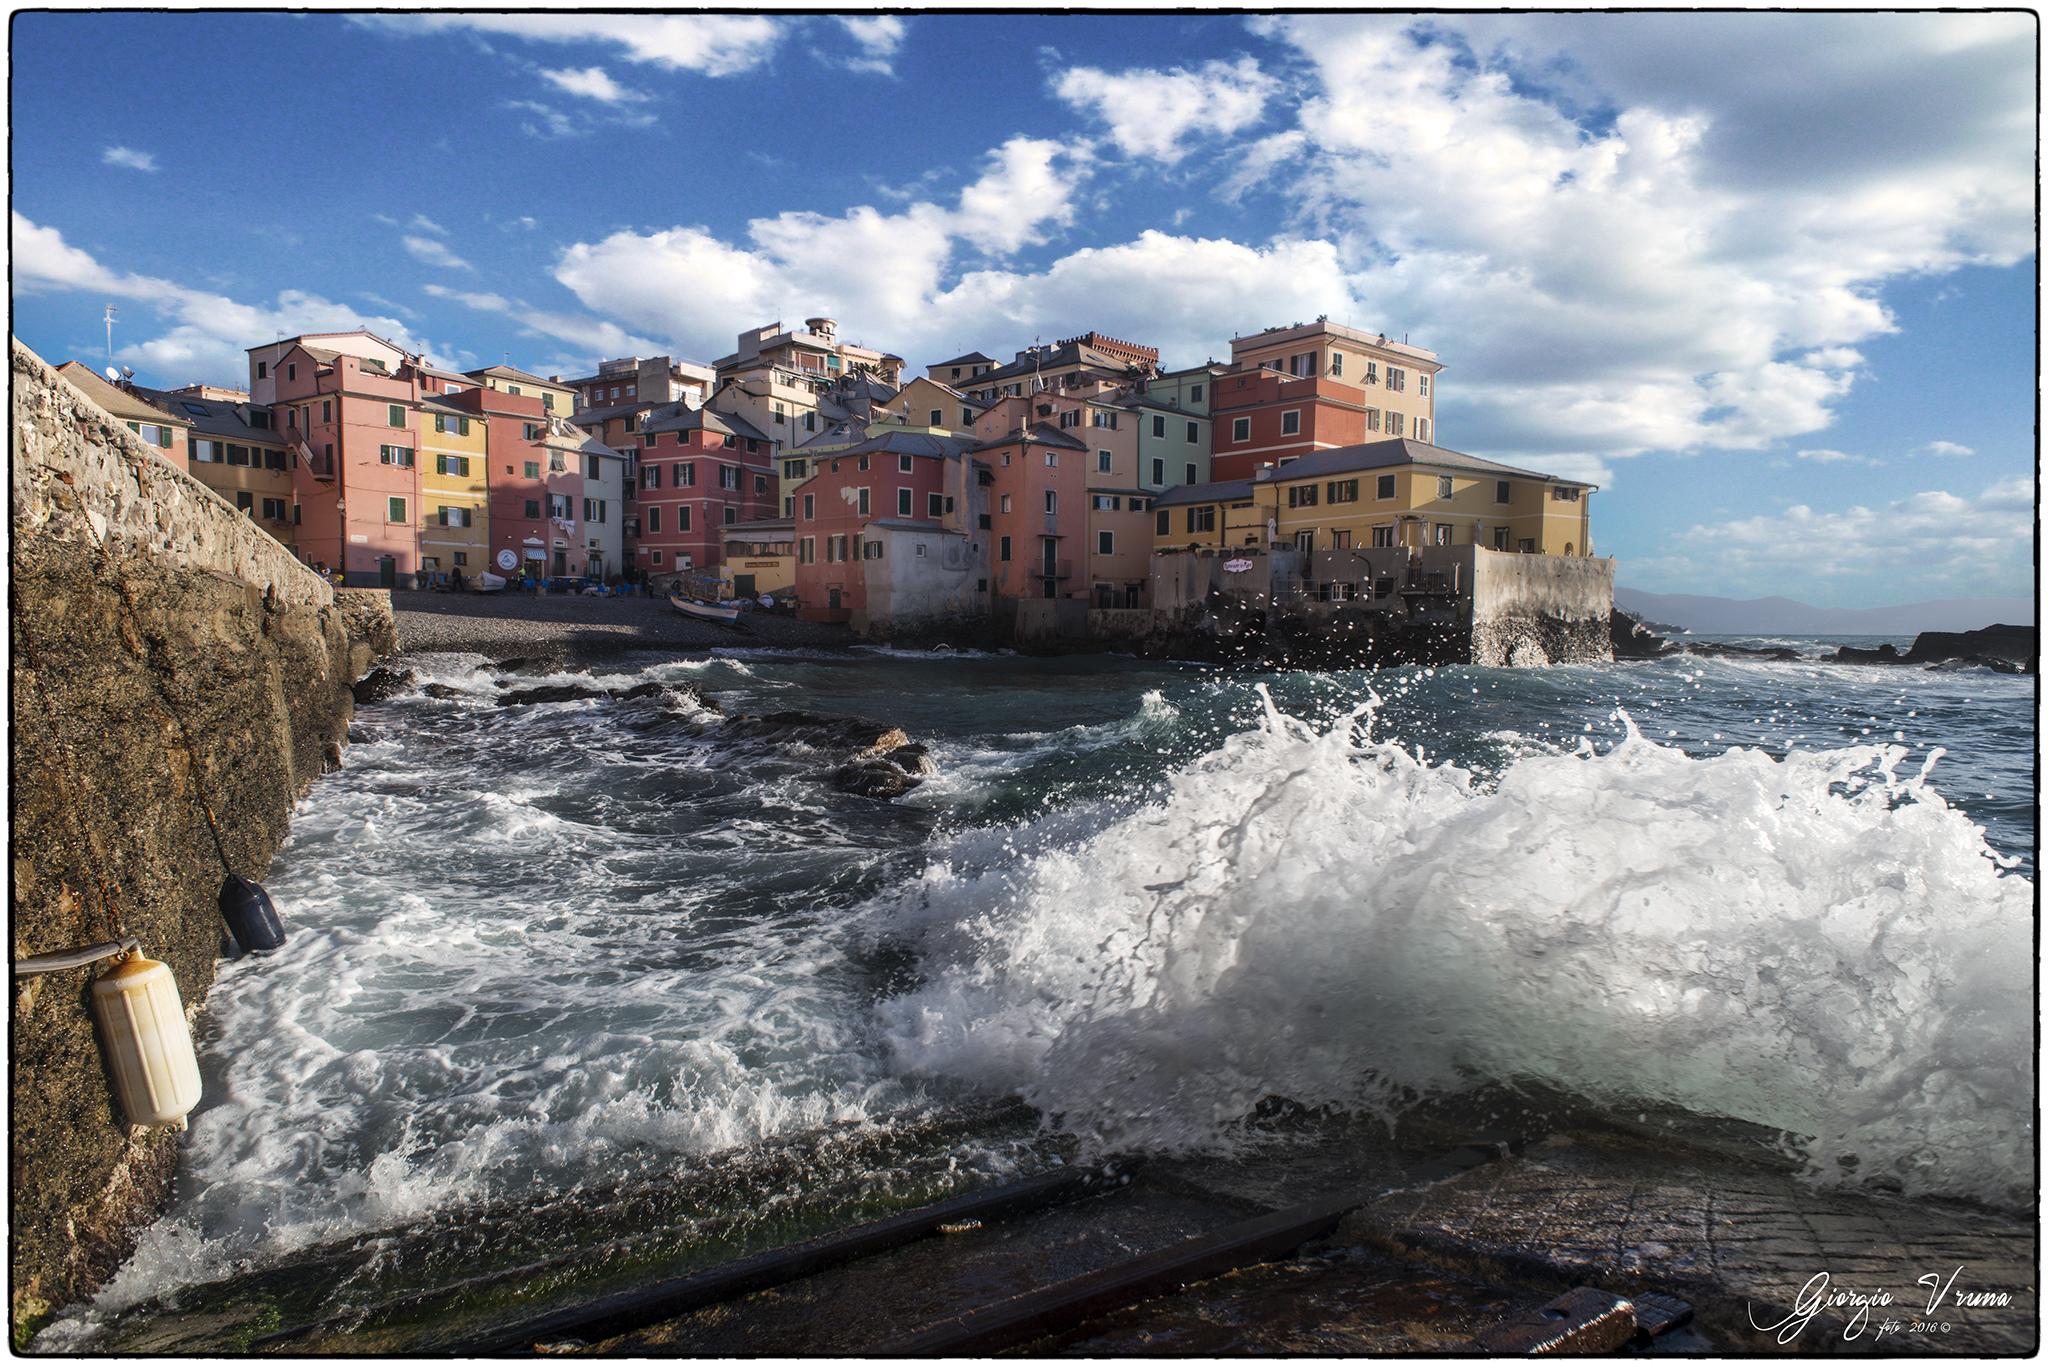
(700, 472)
(454, 476)
(1313, 386)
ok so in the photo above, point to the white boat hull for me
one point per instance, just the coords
(704, 612)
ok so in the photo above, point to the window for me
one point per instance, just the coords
(1422, 386)
(810, 507)
(206, 451)
(532, 469)
(778, 415)
(1105, 543)
(1195, 394)
(1422, 429)
(1500, 538)
(1385, 487)
(683, 517)
(1052, 501)
(1343, 491)
(533, 507)
(259, 417)
(653, 520)
(452, 517)
(789, 505)
(807, 551)
(862, 507)
(395, 415)
(1382, 536)
(1301, 496)
(386, 455)
(903, 503)
(1003, 550)
(295, 522)
(684, 474)
(1336, 363)
(872, 550)
(532, 431)
(1443, 486)
(397, 510)
(835, 549)
(262, 369)
(1052, 459)
(1241, 430)
(863, 462)
(1393, 423)
(1158, 426)
(632, 422)
(1194, 434)
(920, 550)
(1006, 503)
(904, 463)
(560, 506)
(1290, 423)
(1164, 520)
(657, 557)
(1102, 459)
(1159, 472)
(935, 505)
(274, 509)
(1564, 495)
(650, 476)
(967, 417)
(728, 476)
(1443, 533)
(1340, 541)
(451, 465)
(547, 402)
(1397, 380)
(1191, 475)
(327, 410)
(1202, 519)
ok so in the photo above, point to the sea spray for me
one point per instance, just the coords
(1810, 943)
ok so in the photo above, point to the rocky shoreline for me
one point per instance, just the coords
(2004, 649)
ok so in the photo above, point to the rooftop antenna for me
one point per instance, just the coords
(111, 311)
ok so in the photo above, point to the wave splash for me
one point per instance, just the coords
(1812, 943)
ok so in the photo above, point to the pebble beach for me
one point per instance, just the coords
(504, 624)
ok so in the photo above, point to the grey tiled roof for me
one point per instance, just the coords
(1223, 491)
(1041, 434)
(1374, 455)
(219, 420)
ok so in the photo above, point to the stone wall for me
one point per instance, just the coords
(179, 681)
(1540, 609)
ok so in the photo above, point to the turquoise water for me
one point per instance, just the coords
(540, 947)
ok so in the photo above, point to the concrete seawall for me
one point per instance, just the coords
(179, 681)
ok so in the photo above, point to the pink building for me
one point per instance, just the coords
(353, 422)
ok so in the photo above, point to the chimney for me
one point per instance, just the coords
(1265, 470)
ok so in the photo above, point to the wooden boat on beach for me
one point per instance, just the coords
(726, 613)
(486, 583)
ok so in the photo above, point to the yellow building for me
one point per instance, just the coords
(234, 451)
(454, 501)
(1382, 493)
(760, 557)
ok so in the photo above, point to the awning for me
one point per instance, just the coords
(532, 554)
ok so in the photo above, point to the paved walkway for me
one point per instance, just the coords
(514, 623)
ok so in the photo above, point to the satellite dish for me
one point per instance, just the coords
(127, 373)
(113, 375)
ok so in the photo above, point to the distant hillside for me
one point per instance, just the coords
(1775, 616)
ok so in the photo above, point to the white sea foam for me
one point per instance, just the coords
(1811, 943)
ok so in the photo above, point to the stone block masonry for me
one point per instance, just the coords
(179, 680)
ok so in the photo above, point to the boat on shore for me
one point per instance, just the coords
(486, 583)
(727, 613)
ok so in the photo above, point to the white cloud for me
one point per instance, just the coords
(553, 123)
(1960, 546)
(1622, 237)
(883, 270)
(1828, 456)
(1149, 112)
(598, 337)
(435, 253)
(878, 38)
(713, 44)
(425, 224)
(209, 332)
(1946, 448)
(129, 157)
(595, 84)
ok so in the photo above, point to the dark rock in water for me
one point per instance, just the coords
(358, 736)
(1995, 665)
(551, 693)
(913, 759)
(2002, 642)
(874, 778)
(380, 684)
(820, 733)
(511, 666)
(1631, 639)
(1886, 654)
(576, 692)
(441, 690)
(1717, 651)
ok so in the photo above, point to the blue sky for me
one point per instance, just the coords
(1767, 278)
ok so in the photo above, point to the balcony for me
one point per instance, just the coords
(1055, 569)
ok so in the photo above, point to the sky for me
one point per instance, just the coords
(1768, 279)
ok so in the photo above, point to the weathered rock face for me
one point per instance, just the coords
(171, 660)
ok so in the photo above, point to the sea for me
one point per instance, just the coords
(560, 952)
